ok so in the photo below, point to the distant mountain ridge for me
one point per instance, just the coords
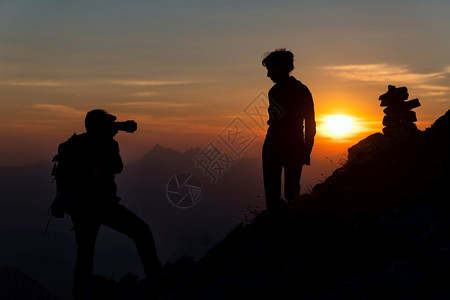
(27, 192)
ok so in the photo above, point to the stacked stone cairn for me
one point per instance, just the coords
(399, 119)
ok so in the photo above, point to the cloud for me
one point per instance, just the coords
(142, 94)
(58, 110)
(66, 83)
(394, 74)
(149, 82)
(38, 83)
(433, 87)
(384, 72)
(155, 104)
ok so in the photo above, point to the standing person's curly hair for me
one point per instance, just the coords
(279, 57)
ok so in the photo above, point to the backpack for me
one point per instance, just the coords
(61, 173)
(60, 204)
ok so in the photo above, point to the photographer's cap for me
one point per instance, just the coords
(98, 120)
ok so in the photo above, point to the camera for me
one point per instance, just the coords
(127, 126)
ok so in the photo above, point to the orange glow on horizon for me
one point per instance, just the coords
(345, 128)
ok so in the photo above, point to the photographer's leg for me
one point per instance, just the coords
(119, 218)
(85, 235)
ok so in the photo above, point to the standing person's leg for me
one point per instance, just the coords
(119, 218)
(292, 174)
(272, 168)
(86, 232)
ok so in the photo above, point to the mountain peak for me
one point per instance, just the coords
(158, 148)
(159, 151)
(16, 285)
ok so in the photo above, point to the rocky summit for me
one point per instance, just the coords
(377, 228)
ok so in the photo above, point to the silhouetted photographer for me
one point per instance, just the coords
(292, 127)
(87, 164)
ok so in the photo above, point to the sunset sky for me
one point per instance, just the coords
(183, 70)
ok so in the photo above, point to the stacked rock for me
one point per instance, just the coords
(399, 119)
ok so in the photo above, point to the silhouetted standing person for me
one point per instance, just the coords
(292, 127)
(89, 162)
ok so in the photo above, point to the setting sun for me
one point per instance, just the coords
(339, 124)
